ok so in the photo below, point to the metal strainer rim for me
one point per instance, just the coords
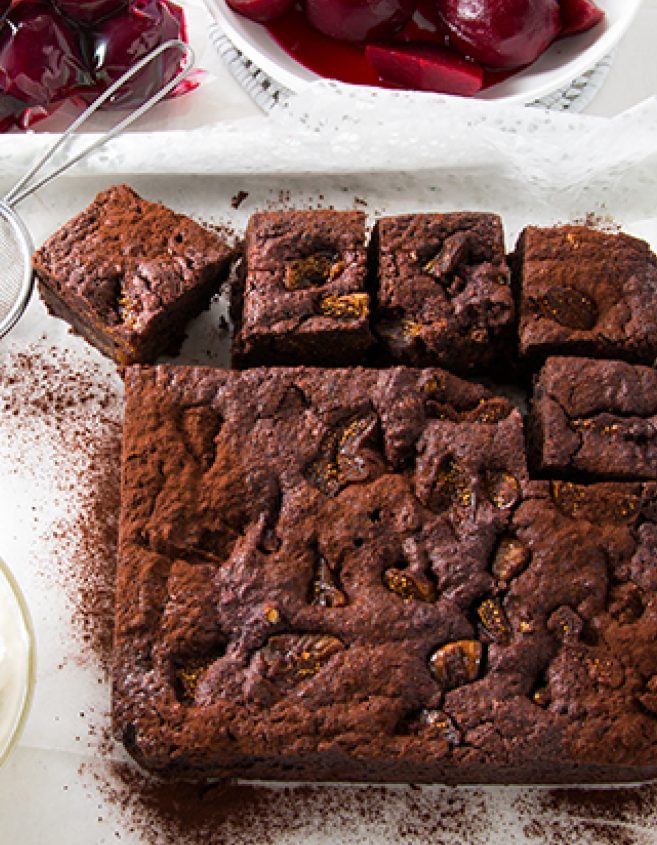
(22, 237)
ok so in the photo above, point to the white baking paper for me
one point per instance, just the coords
(380, 151)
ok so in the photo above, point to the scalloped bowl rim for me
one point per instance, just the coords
(563, 62)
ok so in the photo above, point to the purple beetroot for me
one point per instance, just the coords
(359, 20)
(426, 68)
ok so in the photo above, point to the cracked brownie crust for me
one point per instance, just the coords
(586, 292)
(303, 293)
(594, 418)
(347, 575)
(444, 295)
(129, 274)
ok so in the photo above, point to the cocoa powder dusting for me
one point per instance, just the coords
(66, 434)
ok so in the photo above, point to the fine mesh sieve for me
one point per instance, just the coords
(16, 278)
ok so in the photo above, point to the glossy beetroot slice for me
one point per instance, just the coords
(261, 10)
(120, 41)
(501, 33)
(89, 12)
(359, 20)
(578, 16)
(425, 68)
(40, 58)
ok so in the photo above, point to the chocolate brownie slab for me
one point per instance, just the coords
(129, 274)
(304, 568)
(594, 418)
(302, 298)
(586, 292)
(444, 296)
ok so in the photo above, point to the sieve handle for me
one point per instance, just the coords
(26, 185)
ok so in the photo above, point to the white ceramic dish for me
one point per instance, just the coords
(17, 662)
(556, 68)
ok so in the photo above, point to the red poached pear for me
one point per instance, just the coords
(501, 33)
(261, 10)
(359, 20)
(40, 57)
(579, 15)
(426, 68)
(88, 12)
(123, 39)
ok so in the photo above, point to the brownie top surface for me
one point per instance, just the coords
(346, 557)
(584, 387)
(579, 285)
(277, 236)
(125, 259)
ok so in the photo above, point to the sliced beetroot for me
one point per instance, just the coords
(40, 56)
(578, 16)
(261, 10)
(501, 33)
(426, 68)
(89, 12)
(359, 20)
(118, 42)
(425, 27)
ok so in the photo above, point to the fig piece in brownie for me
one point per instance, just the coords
(304, 575)
(128, 274)
(586, 292)
(302, 296)
(594, 419)
(444, 295)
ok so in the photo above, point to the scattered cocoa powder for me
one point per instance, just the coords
(239, 198)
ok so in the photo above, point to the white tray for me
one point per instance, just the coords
(527, 166)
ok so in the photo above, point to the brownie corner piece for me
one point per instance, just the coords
(303, 296)
(594, 419)
(585, 292)
(128, 274)
(444, 294)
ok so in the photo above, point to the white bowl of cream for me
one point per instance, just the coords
(17, 664)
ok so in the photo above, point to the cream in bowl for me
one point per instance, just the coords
(16, 661)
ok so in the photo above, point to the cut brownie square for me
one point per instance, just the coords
(594, 418)
(586, 292)
(302, 298)
(444, 296)
(304, 577)
(129, 274)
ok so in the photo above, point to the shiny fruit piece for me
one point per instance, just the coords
(511, 557)
(494, 622)
(578, 16)
(123, 39)
(438, 725)
(503, 489)
(425, 68)
(311, 272)
(565, 624)
(501, 33)
(40, 58)
(454, 252)
(325, 591)
(89, 12)
(408, 585)
(299, 656)
(359, 20)
(456, 663)
(570, 308)
(261, 10)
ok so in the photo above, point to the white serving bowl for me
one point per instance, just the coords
(17, 662)
(565, 60)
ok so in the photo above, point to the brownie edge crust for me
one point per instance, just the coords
(347, 575)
